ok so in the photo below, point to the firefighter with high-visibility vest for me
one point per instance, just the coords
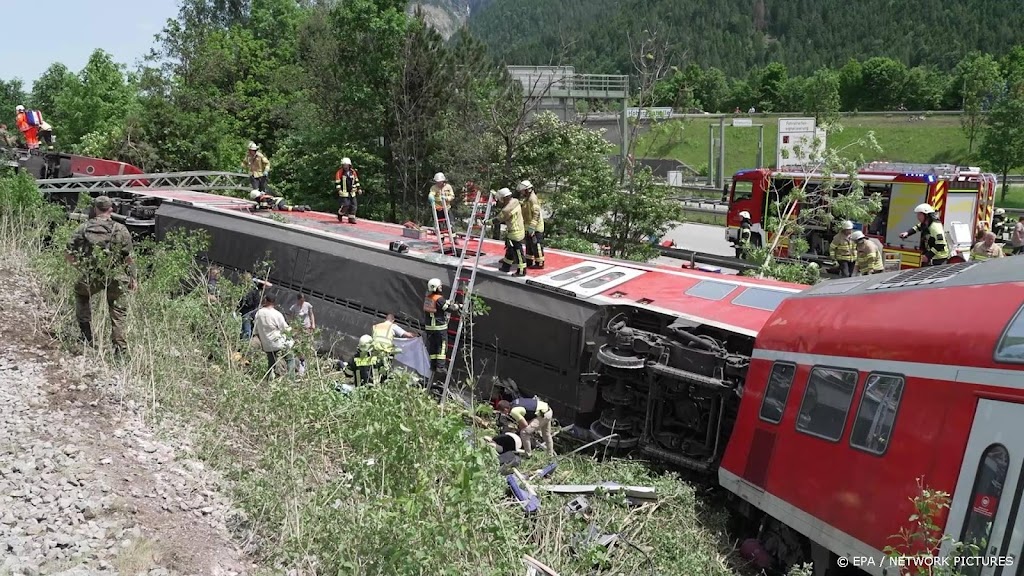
(869, 257)
(269, 202)
(442, 195)
(843, 249)
(533, 217)
(384, 334)
(999, 223)
(743, 236)
(435, 323)
(987, 248)
(934, 249)
(366, 366)
(512, 216)
(258, 166)
(346, 184)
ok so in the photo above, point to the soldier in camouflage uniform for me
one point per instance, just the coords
(101, 249)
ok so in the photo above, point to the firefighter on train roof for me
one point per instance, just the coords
(346, 184)
(270, 202)
(934, 249)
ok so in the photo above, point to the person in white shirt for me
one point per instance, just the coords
(272, 330)
(303, 309)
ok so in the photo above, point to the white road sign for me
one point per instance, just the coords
(797, 133)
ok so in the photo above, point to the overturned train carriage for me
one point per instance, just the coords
(666, 386)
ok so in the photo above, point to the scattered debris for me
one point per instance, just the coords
(630, 491)
(536, 566)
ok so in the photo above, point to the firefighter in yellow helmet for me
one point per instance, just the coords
(934, 249)
(366, 366)
(844, 250)
(869, 257)
(435, 323)
(258, 166)
(999, 223)
(346, 184)
(533, 217)
(987, 248)
(512, 216)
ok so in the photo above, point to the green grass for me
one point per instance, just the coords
(937, 139)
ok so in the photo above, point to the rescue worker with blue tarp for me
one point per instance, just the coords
(934, 249)
(346, 184)
(366, 366)
(843, 249)
(435, 322)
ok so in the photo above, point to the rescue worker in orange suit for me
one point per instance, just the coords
(844, 250)
(534, 220)
(531, 415)
(934, 249)
(987, 248)
(435, 312)
(869, 257)
(31, 133)
(258, 166)
(441, 195)
(512, 216)
(346, 184)
(270, 202)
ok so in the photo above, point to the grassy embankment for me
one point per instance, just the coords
(381, 481)
(934, 140)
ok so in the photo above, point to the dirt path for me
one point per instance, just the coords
(85, 486)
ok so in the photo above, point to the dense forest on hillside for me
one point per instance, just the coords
(736, 35)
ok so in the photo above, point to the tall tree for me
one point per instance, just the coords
(12, 93)
(821, 96)
(94, 99)
(48, 87)
(976, 79)
(1003, 144)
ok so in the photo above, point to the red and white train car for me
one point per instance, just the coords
(859, 387)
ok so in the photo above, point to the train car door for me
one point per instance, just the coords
(985, 506)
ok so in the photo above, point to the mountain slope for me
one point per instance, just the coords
(447, 16)
(735, 35)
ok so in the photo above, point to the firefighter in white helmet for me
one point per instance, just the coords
(512, 216)
(533, 218)
(999, 223)
(435, 323)
(268, 202)
(743, 236)
(869, 257)
(934, 249)
(258, 166)
(441, 197)
(346, 184)
(844, 250)
(366, 366)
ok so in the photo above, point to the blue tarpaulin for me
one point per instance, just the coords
(412, 353)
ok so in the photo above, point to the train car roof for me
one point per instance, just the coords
(738, 304)
(948, 322)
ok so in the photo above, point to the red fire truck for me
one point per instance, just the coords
(963, 197)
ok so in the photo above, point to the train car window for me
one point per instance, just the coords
(711, 290)
(984, 501)
(602, 279)
(826, 402)
(877, 413)
(761, 298)
(573, 274)
(1011, 346)
(742, 190)
(777, 392)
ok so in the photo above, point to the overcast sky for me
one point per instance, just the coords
(69, 30)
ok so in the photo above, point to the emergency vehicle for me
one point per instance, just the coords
(963, 198)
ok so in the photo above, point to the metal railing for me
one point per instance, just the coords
(199, 181)
(566, 83)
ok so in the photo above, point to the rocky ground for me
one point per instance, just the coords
(85, 486)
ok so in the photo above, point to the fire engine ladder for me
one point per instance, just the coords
(199, 181)
(462, 289)
(443, 229)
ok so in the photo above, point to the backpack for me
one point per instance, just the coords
(98, 235)
(33, 117)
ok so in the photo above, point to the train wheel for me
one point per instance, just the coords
(599, 430)
(610, 356)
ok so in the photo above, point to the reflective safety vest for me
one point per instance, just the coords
(382, 334)
(933, 240)
(532, 407)
(532, 214)
(842, 248)
(512, 216)
(981, 253)
(744, 235)
(444, 192)
(869, 258)
(365, 367)
(434, 308)
(346, 183)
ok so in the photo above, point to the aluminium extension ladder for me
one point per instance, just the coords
(445, 236)
(462, 289)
